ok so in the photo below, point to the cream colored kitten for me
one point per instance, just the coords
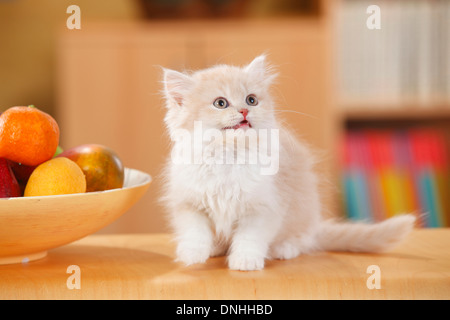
(220, 207)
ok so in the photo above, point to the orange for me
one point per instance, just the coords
(56, 176)
(28, 135)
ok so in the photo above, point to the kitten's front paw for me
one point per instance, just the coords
(245, 262)
(191, 253)
(284, 251)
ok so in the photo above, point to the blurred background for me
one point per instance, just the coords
(376, 101)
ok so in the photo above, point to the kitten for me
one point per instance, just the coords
(222, 207)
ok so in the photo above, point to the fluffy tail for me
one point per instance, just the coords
(360, 237)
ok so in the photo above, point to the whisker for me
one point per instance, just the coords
(302, 113)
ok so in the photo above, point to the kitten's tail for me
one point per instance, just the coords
(360, 237)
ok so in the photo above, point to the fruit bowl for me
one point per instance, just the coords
(29, 226)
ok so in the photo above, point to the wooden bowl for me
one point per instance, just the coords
(29, 226)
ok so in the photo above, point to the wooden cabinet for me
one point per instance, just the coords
(109, 87)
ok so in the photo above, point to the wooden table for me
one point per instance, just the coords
(140, 266)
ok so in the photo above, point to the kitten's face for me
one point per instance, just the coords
(221, 97)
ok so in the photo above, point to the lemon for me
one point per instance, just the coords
(56, 176)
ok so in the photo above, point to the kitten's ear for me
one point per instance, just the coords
(176, 85)
(260, 70)
(257, 66)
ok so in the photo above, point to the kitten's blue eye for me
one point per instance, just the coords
(251, 100)
(221, 103)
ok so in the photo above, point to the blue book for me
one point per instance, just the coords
(351, 199)
(430, 199)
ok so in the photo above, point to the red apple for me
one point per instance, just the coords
(22, 173)
(9, 187)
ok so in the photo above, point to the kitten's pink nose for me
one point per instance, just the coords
(244, 113)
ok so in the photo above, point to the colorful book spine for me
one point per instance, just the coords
(425, 167)
(355, 183)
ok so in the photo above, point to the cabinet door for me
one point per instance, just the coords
(110, 93)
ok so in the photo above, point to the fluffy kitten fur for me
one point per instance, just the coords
(218, 209)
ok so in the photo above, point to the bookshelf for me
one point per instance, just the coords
(393, 110)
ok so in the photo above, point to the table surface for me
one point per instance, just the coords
(141, 266)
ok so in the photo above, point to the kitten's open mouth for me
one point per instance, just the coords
(242, 124)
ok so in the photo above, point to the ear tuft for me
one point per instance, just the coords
(257, 65)
(176, 85)
(259, 69)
